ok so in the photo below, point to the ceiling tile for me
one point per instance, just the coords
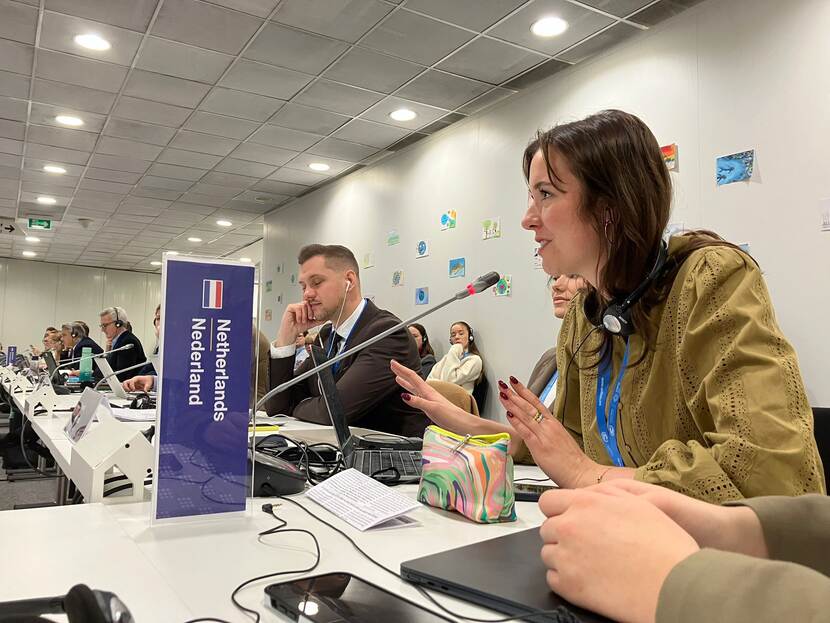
(344, 150)
(176, 172)
(284, 137)
(165, 183)
(156, 193)
(165, 89)
(581, 23)
(663, 10)
(119, 163)
(58, 32)
(44, 114)
(200, 199)
(490, 61)
(8, 146)
(265, 155)
(60, 137)
(338, 97)
(475, 14)
(19, 22)
(98, 200)
(81, 71)
(302, 161)
(367, 133)
(287, 47)
(307, 119)
(182, 61)
(204, 143)
(442, 90)
(47, 180)
(380, 113)
(540, 72)
(240, 104)
(417, 38)
(15, 130)
(188, 158)
(620, 8)
(123, 147)
(16, 57)
(606, 39)
(260, 8)
(144, 132)
(31, 164)
(151, 112)
(132, 14)
(72, 96)
(372, 70)
(264, 79)
(244, 167)
(229, 127)
(107, 187)
(280, 188)
(205, 25)
(43, 152)
(347, 20)
(485, 101)
(229, 179)
(140, 206)
(112, 176)
(213, 189)
(14, 85)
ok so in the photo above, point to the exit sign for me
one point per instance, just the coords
(40, 223)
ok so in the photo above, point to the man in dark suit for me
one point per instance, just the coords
(330, 280)
(74, 337)
(114, 325)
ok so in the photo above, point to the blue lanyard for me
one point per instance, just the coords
(608, 429)
(549, 387)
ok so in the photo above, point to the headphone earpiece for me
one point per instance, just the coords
(118, 322)
(348, 285)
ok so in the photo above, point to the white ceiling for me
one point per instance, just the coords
(206, 110)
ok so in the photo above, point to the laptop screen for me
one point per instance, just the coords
(328, 391)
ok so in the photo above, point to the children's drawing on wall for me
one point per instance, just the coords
(280, 267)
(269, 315)
(824, 210)
(397, 278)
(735, 167)
(504, 287)
(422, 296)
(368, 260)
(293, 278)
(458, 267)
(670, 156)
(490, 228)
(537, 259)
(269, 285)
(392, 237)
(449, 219)
(422, 249)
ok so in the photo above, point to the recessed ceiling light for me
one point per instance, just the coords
(549, 27)
(319, 166)
(222, 223)
(29, 253)
(51, 168)
(403, 114)
(194, 239)
(155, 263)
(69, 120)
(244, 259)
(91, 41)
(32, 239)
(47, 201)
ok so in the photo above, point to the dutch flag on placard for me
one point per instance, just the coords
(211, 294)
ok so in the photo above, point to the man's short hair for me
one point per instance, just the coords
(75, 328)
(335, 255)
(116, 313)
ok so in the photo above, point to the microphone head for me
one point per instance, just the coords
(486, 281)
(127, 346)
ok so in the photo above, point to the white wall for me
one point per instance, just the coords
(35, 295)
(726, 76)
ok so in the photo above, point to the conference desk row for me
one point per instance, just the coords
(178, 572)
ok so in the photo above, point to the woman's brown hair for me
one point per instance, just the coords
(626, 198)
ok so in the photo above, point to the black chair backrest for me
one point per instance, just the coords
(480, 393)
(821, 426)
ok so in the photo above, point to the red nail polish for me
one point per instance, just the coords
(502, 384)
(406, 397)
(503, 395)
(514, 380)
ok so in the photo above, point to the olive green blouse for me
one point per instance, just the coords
(717, 410)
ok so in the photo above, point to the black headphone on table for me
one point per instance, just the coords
(81, 605)
(616, 318)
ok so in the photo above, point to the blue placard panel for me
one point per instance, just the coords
(12, 355)
(206, 359)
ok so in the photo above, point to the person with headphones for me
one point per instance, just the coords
(462, 364)
(419, 334)
(674, 370)
(114, 325)
(330, 281)
(75, 338)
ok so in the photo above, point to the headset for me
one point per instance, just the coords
(616, 318)
(118, 322)
(469, 332)
(81, 605)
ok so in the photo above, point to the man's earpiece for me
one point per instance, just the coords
(348, 285)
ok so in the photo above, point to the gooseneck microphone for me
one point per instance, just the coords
(479, 285)
(77, 359)
(81, 605)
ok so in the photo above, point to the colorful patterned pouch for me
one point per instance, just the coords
(470, 474)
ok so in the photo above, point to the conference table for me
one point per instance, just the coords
(181, 571)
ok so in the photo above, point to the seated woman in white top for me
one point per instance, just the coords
(462, 365)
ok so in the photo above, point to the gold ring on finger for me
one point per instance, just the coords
(538, 417)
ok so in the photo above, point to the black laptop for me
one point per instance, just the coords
(504, 574)
(385, 457)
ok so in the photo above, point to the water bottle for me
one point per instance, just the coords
(86, 365)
